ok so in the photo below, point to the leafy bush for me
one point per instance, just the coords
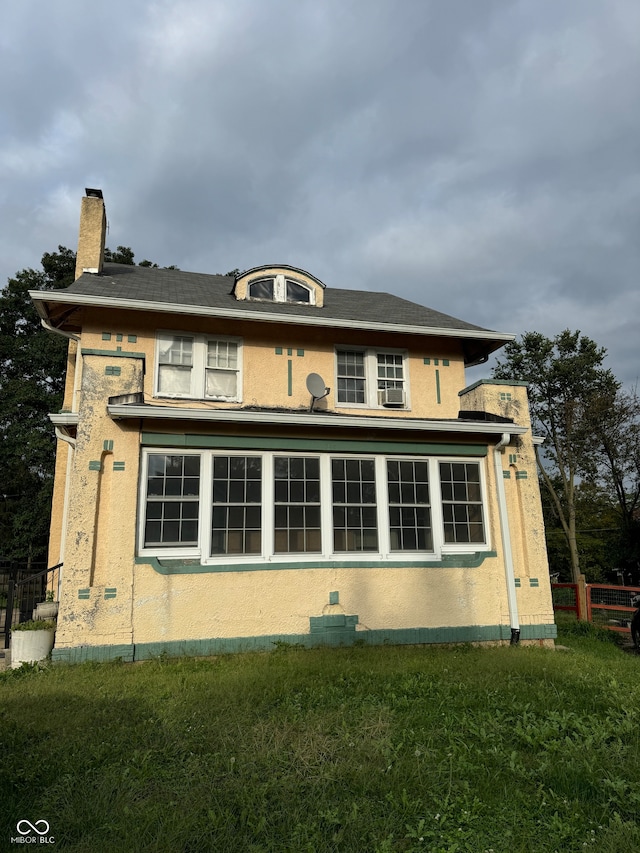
(35, 625)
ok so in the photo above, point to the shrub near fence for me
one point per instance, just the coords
(608, 606)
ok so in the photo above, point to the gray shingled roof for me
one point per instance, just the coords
(122, 282)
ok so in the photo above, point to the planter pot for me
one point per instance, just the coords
(30, 646)
(46, 610)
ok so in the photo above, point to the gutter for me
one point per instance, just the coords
(514, 620)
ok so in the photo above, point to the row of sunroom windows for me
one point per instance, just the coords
(233, 505)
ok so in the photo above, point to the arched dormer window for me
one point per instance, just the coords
(280, 289)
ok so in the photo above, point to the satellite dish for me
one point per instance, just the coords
(316, 386)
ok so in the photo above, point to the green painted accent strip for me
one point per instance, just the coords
(188, 567)
(118, 337)
(522, 475)
(84, 593)
(300, 353)
(517, 383)
(438, 400)
(267, 642)
(114, 353)
(111, 370)
(118, 466)
(319, 445)
(426, 360)
(516, 582)
(289, 351)
(445, 362)
(505, 396)
(333, 622)
(107, 444)
(80, 654)
(132, 339)
(289, 377)
(95, 465)
(106, 336)
(278, 350)
(110, 592)
(534, 582)
(506, 475)
(513, 458)
(334, 598)
(436, 361)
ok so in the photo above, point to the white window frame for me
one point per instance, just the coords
(268, 555)
(371, 392)
(280, 289)
(200, 343)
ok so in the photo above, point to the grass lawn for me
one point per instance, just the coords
(369, 750)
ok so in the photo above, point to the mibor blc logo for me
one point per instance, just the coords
(33, 833)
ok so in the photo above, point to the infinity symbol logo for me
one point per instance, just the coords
(32, 827)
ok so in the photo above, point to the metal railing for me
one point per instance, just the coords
(22, 586)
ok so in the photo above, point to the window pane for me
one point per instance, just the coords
(351, 377)
(237, 511)
(297, 505)
(409, 512)
(262, 289)
(174, 380)
(172, 504)
(462, 502)
(355, 516)
(221, 383)
(297, 293)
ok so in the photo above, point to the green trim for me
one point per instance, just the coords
(300, 353)
(320, 445)
(514, 382)
(95, 465)
(289, 351)
(107, 444)
(438, 399)
(84, 593)
(112, 370)
(445, 362)
(110, 592)
(334, 598)
(114, 353)
(106, 336)
(336, 637)
(505, 396)
(506, 475)
(522, 475)
(119, 337)
(189, 567)
(513, 458)
(118, 466)
(426, 360)
(278, 350)
(329, 623)
(534, 582)
(516, 582)
(132, 339)
(436, 361)
(289, 377)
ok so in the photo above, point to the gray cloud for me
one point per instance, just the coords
(480, 158)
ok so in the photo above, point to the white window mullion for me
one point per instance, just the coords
(371, 372)
(382, 497)
(326, 505)
(268, 513)
(435, 497)
(206, 504)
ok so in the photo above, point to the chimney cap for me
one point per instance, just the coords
(91, 193)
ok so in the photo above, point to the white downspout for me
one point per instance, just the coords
(506, 540)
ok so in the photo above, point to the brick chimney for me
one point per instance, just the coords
(93, 229)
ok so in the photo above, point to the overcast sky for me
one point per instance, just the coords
(481, 157)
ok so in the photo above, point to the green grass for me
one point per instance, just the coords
(364, 749)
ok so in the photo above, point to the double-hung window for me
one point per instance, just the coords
(223, 506)
(199, 367)
(371, 378)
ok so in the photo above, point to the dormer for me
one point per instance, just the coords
(279, 284)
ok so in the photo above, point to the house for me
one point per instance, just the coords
(258, 458)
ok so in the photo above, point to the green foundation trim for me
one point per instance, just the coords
(335, 637)
(319, 445)
(95, 465)
(438, 399)
(289, 377)
(189, 567)
(112, 370)
(110, 592)
(107, 444)
(118, 466)
(114, 353)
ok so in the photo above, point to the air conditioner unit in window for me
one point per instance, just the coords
(392, 397)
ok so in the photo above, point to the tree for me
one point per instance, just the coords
(567, 384)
